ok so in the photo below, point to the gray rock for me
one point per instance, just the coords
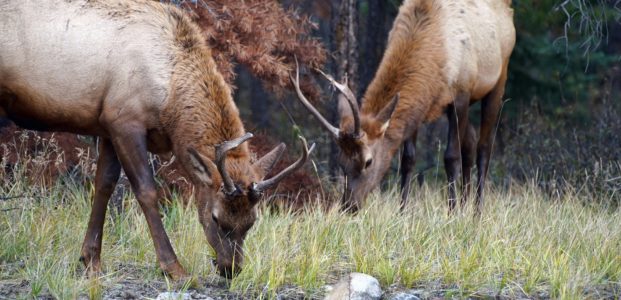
(173, 296)
(192, 295)
(403, 296)
(356, 286)
(198, 296)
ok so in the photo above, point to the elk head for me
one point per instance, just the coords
(227, 203)
(358, 138)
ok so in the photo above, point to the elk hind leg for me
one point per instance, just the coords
(408, 161)
(468, 151)
(457, 114)
(490, 108)
(108, 171)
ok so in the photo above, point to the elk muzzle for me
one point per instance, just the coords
(228, 272)
(229, 255)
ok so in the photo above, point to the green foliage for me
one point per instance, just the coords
(558, 62)
(561, 127)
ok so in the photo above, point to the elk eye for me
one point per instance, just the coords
(368, 163)
(225, 229)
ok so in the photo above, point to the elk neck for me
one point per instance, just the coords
(200, 112)
(412, 66)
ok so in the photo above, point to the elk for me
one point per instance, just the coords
(138, 75)
(441, 57)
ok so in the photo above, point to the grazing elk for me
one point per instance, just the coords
(138, 75)
(441, 57)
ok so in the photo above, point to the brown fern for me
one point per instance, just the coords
(261, 35)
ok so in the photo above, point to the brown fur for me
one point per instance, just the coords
(165, 94)
(414, 65)
(440, 57)
(194, 79)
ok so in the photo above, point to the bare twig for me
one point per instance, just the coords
(9, 209)
(591, 19)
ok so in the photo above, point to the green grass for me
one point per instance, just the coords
(522, 244)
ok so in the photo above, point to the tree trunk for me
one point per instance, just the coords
(374, 35)
(347, 43)
(345, 59)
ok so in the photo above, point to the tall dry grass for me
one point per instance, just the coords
(524, 244)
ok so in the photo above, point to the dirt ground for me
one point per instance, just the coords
(212, 288)
(130, 285)
(127, 284)
(138, 289)
(123, 289)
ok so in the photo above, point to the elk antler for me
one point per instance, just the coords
(268, 183)
(296, 83)
(351, 99)
(221, 150)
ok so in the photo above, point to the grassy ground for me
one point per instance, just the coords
(522, 245)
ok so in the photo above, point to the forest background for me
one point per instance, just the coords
(559, 125)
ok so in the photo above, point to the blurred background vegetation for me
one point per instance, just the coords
(560, 125)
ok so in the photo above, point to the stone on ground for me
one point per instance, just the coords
(173, 296)
(193, 295)
(356, 286)
(403, 296)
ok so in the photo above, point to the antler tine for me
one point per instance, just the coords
(221, 150)
(296, 83)
(351, 99)
(266, 184)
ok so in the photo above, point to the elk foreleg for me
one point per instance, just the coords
(130, 144)
(408, 161)
(108, 171)
(458, 123)
(490, 108)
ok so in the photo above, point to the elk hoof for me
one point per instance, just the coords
(176, 272)
(93, 267)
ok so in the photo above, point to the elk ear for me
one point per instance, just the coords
(200, 169)
(386, 114)
(265, 164)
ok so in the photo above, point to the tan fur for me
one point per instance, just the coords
(436, 51)
(191, 105)
(100, 67)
